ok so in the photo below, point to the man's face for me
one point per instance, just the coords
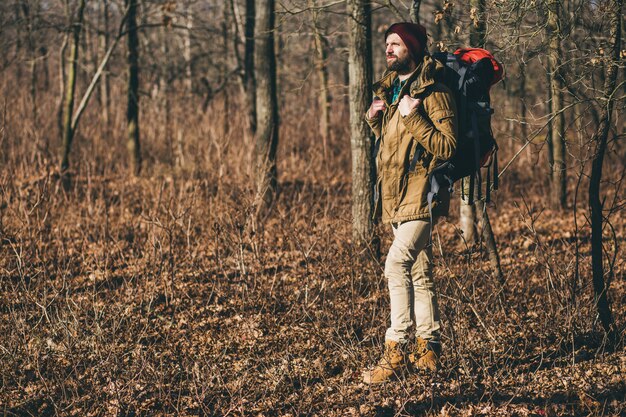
(397, 54)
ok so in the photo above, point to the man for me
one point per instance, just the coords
(414, 119)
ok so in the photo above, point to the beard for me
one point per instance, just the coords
(401, 66)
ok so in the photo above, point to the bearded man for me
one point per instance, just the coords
(415, 122)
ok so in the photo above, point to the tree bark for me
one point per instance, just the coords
(467, 219)
(105, 86)
(70, 87)
(132, 109)
(225, 49)
(29, 17)
(266, 106)
(249, 77)
(361, 139)
(165, 91)
(557, 136)
(322, 71)
(187, 49)
(600, 138)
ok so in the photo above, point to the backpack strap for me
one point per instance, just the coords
(488, 191)
(418, 153)
(470, 194)
(476, 154)
(496, 179)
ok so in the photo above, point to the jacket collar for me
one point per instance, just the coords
(421, 79)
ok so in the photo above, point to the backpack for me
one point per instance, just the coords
(470, 73)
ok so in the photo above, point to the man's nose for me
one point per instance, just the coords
(389, 50)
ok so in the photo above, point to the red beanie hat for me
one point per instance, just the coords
(413, 35)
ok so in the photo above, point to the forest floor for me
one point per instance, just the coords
(160, 296)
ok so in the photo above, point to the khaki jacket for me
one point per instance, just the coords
(402, 195)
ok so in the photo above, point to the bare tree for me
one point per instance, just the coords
(361, 140)
(600, 138)
(187, 47)
(248, 62)
(321, 48)
(105, 86)
(557, 131)
(70, 87)
(132, 109)
(30, 12)
(267, 106)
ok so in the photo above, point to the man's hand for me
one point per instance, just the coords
(377, 105)
(408, 104)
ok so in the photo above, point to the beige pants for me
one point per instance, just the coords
(408, 270)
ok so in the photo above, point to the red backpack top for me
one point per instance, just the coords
(471, 55)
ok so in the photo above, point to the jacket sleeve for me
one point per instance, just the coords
(375, 123)
(437, 133)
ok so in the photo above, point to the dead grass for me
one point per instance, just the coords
(159, 295)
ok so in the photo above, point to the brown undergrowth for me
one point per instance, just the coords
(160, 296)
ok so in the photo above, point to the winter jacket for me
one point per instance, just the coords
(430, 130)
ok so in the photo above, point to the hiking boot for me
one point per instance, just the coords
(425, 355)
(391, 363)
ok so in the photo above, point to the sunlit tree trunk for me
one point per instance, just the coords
(600, 138)
(266, 106)
(361, 139)
(18, 39)
(187, 49)
(557, 132)
(132, 109)
(70, 87)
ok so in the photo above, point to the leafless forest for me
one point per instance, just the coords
(183, 232)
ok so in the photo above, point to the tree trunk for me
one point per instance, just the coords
(70, 87)
(557, 136)
(266, 107)
(29, 17)
(249, 77)
(522, 100)
(132, 109)
(165, 91)
(187, 50)
(18, 40)
(361, 140)
(600, 289)
(105, 86)
(322, 71)
(467, 218)
(62, 85)
(226, 47)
